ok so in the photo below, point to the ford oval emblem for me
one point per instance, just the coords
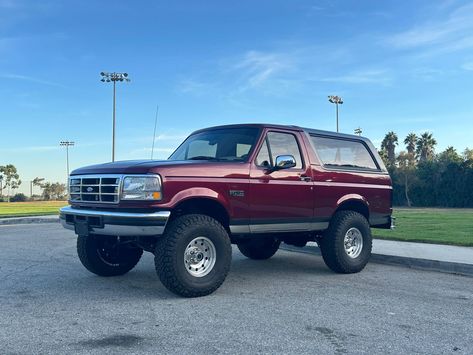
(90, 189)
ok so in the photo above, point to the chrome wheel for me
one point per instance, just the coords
(200, 256)
(353, 242)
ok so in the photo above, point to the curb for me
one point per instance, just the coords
(413, 263)
(29, 220)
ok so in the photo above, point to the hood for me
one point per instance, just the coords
(132, 166)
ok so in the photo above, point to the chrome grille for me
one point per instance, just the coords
(95, 188)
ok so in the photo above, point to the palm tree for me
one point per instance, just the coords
(389, 144)
(410, 143)
(425, 147)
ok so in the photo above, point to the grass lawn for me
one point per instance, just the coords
(431, 225)
(35, 208)
(427, 225)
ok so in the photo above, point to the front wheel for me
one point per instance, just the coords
(193, 257)
(346, 245)
(107, 255)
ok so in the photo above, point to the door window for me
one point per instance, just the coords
(279, 144)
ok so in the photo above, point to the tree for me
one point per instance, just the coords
(20, 197)
(468, 154)
(53, 191)
(449, 155)
(407, 173)
(389, 146)
(10, 178)
(37, 181)
(425, 147)
(410, 142)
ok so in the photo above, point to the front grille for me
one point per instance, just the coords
(95, 189)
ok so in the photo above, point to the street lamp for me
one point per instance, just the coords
(67, 144)
(358, 131)
(337, 100)
(114, 77)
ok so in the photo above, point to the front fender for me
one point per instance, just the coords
(198, 192)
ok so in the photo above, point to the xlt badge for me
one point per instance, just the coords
(237, 193)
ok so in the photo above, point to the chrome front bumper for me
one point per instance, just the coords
(84, 221)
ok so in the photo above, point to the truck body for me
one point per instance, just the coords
(257, 181)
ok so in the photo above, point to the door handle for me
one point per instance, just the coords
(305, 178)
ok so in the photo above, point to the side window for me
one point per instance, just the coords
(284, 144)
(343, 153)
(263, 158)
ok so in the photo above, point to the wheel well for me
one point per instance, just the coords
(205, 206)
(355, 205)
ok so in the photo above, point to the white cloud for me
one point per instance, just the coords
(30, 149)
(193, 86)
(468, 66)
(448, 33)
(31, 79)
(362, 77)
(259, 67)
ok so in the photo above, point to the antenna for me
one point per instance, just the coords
(154, 133)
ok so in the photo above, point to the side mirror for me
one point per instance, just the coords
(284, 162)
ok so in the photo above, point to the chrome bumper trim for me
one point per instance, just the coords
(120, 223)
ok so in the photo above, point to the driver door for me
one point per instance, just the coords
(280, 200)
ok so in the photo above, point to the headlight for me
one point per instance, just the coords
(141, 188)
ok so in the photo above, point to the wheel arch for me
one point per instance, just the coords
(202, 205)
(354, 202)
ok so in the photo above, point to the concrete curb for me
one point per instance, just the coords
(29, 220)
(414, 263)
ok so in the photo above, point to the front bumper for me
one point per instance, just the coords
(84, 221)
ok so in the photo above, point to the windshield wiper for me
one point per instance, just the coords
(202, 157)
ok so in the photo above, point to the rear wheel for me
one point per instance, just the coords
(346, 245)
(193, 257)
(107, 255)
(259, 248)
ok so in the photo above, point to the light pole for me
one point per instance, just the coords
(114, 77)
(67, 144)
(337, 100)
(358, 131)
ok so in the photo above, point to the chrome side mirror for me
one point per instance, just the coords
(284, 162)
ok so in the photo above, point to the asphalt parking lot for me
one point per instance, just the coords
(289, 304)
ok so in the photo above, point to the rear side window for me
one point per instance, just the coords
(343, 153)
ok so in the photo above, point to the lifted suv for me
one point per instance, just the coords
(252, 185)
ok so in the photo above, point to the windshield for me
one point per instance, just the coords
(226, 144)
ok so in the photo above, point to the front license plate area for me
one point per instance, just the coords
(82, 227)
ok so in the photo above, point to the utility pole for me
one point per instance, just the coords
(114, 77)
(358, 131)
(337, 100)
(67, 144)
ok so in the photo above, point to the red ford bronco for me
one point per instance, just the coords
(253, 185)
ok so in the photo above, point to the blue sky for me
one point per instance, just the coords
(401, 66)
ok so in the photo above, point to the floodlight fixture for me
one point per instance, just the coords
(114, 77)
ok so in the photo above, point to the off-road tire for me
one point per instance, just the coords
(170, 251)
(332, 243)
(92, 254)
(259, 248)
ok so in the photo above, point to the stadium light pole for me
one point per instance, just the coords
(67, 144)
(114, 77)
(337, 100)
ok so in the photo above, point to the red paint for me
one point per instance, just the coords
(276, 195)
